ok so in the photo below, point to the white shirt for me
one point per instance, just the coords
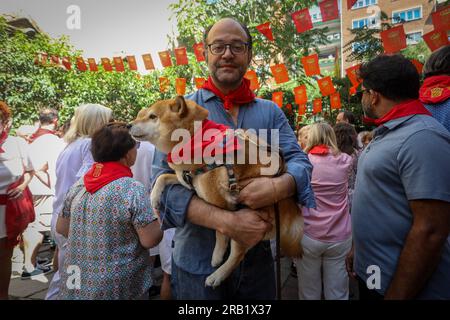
(44, 149)
(12, 164)
(142, 168)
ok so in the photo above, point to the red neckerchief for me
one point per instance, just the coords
(40, 132)
(199, 142)
(3, 138)
(435, 89)
(403, 109)
(103, 173)
(241, 95)
(321, 149)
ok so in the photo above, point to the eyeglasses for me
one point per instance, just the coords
(360, 93)
(236, 48)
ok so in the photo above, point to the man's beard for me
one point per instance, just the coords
(225, 79)
(368, 112)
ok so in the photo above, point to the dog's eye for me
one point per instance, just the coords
(152, 117)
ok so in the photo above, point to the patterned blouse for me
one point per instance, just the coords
(103, 242)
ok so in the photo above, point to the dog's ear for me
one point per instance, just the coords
(179, 106)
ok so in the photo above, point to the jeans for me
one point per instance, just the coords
(253, 279)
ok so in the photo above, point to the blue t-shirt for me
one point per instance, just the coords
(408, 159)
(194, 244)
(441, 112)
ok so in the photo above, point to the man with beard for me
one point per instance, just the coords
(229, 100)
(401, 204)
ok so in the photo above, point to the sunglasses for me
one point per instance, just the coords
(359, 93)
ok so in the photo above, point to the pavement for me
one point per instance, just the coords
(36, 287)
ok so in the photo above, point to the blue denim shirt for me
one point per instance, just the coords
(194, 244)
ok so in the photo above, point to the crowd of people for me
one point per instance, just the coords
(376, 204)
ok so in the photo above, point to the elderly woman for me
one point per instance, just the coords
(108, 220)
(16, 172)
(73, 162)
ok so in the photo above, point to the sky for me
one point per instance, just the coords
(107, 28)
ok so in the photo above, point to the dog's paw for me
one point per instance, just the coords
(213, 280)
(216, 260)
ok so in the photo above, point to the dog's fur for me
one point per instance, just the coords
(156, 124)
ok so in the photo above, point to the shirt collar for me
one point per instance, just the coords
(207, 95)
(391, 125)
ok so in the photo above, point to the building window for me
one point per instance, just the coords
(414, 37)
(364, 3)
(370, 22)
(407, 15)
(359, 47)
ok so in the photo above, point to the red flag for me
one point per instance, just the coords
(329, 10)
(92, 64)
(118, 63)
(181, 56)
(302, 20)
(148, 61)
(198, 51)
(279, 71)
(277, 97)
(418, 65)
(299, 118)
(289, 107)
(106, 63)
(266, 30)
(326, 86)
(163, 84)
(164, 56)
(352, 74)
(81, 65)
(180, 86)
(311, 65)
(436, 39)
(317, 105)
(441, 19)
(352, 90)
(394, 39)
(44, 57)
(350, 4)
(252, 76)
(132, 63)
(300, 95)
(199, 82)
(335, 101)
(54, 59)
(302, 109)
(66, 63)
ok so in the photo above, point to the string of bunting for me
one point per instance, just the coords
(393, 40)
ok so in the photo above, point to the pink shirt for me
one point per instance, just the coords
(330, 221)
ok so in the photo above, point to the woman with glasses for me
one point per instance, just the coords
(109, 224)
(71, 164)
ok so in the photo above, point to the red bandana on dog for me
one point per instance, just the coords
(103, 173)
(210, 138)
(321, 149)
(403, 109)
(435, 89)
(241, 95)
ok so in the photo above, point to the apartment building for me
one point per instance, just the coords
(415, 15)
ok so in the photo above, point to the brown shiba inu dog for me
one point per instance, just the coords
(218, 184)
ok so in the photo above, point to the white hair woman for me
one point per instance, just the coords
(327, 233)
(75, 160)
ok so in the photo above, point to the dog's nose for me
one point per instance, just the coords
(129, 126)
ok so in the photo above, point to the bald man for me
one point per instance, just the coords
(227, 97)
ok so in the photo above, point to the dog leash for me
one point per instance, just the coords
(278, 250)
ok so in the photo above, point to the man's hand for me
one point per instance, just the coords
(263, 191)
(349, 264)
(248, 227)
(257, 192)
(16, 192)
